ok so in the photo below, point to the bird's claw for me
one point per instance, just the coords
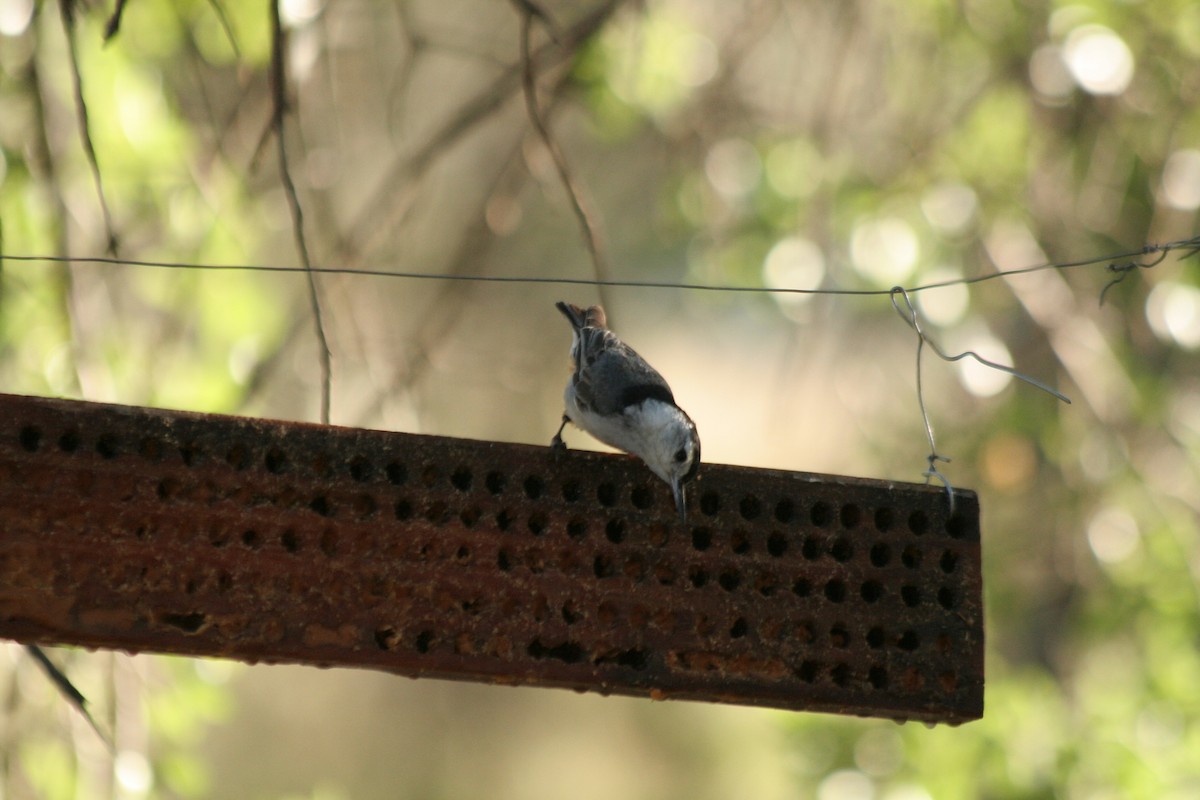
(557, 445)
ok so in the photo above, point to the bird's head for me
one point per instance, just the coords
(674, 454)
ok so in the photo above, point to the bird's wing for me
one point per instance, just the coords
(613, 376)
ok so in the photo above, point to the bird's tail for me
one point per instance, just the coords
(592, 317)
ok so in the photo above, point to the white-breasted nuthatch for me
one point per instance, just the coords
(614, 395)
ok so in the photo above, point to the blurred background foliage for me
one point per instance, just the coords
(799, 143)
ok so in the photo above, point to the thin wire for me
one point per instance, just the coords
(913, 320)
(931, 470)
(910, 316)
(1191, 245)
(1122, 270)
(1120, 264)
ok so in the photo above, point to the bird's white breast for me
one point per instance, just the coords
(637, 429)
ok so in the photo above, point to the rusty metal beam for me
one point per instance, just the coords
(149, 530)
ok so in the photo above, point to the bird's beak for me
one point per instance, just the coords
(680, 498)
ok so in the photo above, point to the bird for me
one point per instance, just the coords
(617, 397)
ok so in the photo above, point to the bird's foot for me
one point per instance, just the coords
(557, 445)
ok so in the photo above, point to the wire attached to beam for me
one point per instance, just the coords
(911, 318)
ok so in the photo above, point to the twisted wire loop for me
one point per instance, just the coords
(900, 296)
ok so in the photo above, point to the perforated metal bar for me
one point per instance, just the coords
(208, 535)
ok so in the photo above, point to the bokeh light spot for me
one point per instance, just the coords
(294, 13)
(980, 379)
(133, 773)
(1181, 180)
(793, 263)
(846, 784)
(1099, 60)
(793, 168)
(733, 168)
(1113, 535)
(701, 60)
(15, 16)
(950, 207)
(885, 250)
(1048, 72)
(945, 305)
(879, 752)
(1009, 462)
(1173, 311)
(141, 106)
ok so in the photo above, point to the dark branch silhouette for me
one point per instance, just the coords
(278, 112)
(67, 11)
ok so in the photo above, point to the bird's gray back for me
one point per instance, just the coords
(611, 375)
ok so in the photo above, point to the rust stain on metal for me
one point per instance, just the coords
(257, 540)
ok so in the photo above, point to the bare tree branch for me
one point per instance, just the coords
(278, 110)
(588, 225)
(442, 314)
(114, 22)
(67, 11)
(223, 19)
(45, 169)
(67, 689)
(390, 199)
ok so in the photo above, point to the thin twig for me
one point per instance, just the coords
(114, 22)
(380, 209)
(67, 10)
(584, 215)
(530, 10)
(278, 110)
(435, 322)
(402, 75)
(223, 20)
(67, 689)
(46, 170)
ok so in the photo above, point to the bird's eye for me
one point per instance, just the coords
(680, 455)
